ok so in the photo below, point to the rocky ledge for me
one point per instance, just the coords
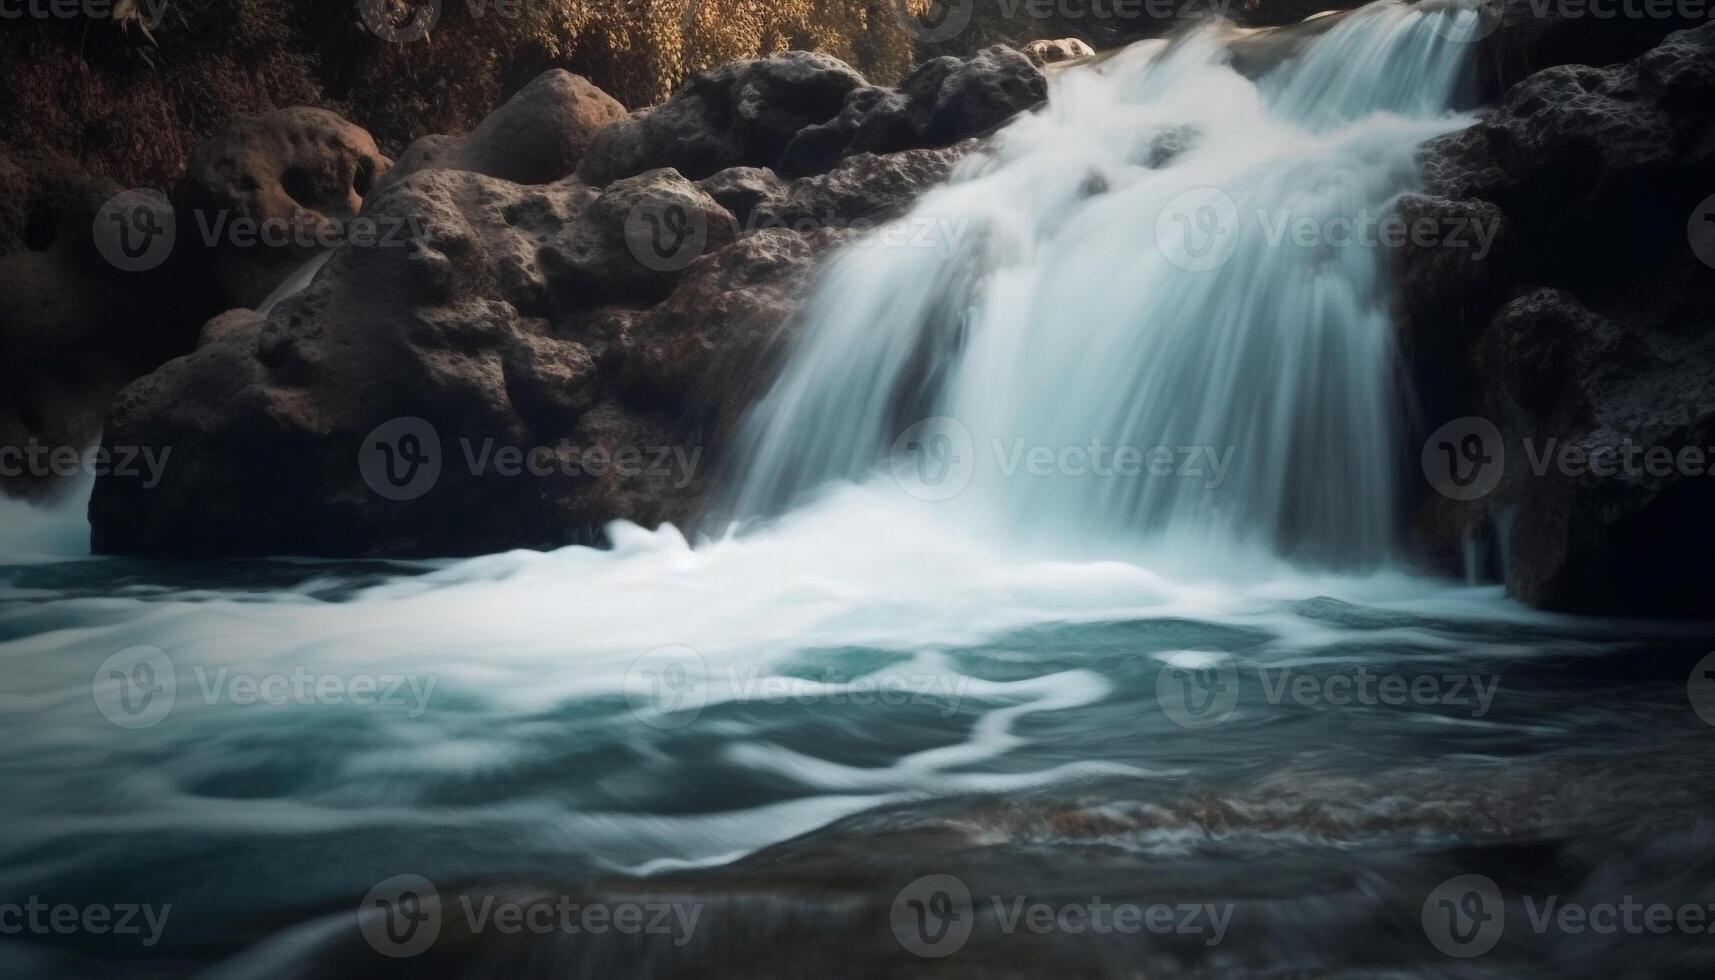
(1576, 352)
(557, 320)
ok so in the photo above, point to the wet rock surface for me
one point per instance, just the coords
(1585, 340)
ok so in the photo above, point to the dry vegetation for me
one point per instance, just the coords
(128, 99)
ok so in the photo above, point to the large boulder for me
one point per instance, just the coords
(1584, 342)
(267, 193)
(539, 135)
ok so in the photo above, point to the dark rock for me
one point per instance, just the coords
(752, 114)
(952, 99)
(744, 190)
(1528, 36)
(537, 137)
(741, 114)
(74, 328)
(268, 192)
(874, 120)
(636, 239)
(1589, 331)
(714, 344)
(863, 190)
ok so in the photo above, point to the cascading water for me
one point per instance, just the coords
(1167, 262)
(792, 729)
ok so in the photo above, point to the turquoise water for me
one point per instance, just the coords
(1025, 725)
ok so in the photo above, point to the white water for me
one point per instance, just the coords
(1066, 319)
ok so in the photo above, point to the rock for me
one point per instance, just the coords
(1589, 331)
(873, 120)
(268, 192)
(952, 99)
(538, 137)
(1528, 36)
(635, 240)
(510, 316)
(74, 329)
(714, 344)
(862, 190)
(746, 116)
(1043, 53)
(744, 190)
(741, 114)
(1436, 283)
(1620, 525)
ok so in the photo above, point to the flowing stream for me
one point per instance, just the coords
(940, 639)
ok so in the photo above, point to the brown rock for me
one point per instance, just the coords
(268, 192)
(537, 137)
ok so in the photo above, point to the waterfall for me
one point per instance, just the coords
(1124, 272)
